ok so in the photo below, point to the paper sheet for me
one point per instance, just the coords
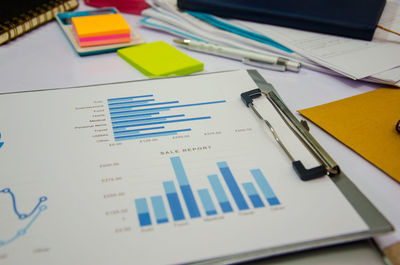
(369, 61)
(196, 176)
(366, 124)
(390, 19)
(354, 58)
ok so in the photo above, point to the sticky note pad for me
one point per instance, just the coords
(159, 59)
(101, 29)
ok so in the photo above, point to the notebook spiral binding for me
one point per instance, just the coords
(32, 19)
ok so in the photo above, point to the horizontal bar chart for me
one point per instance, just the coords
(224, 195)
(142, 116)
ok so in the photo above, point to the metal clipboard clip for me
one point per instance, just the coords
(328, 165)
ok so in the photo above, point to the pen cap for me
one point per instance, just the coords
(293, 66)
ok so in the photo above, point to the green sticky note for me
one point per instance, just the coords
(159, 59)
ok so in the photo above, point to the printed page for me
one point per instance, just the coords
(154, 172)
(390, 19)
(356, 59)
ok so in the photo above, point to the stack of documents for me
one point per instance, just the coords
(374, 61)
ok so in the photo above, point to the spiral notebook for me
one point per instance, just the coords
(21, 16)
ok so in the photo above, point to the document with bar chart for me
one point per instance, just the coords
(161, 171)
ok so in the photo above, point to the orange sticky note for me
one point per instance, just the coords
(100, 25)
(101, 30)
(366, 124)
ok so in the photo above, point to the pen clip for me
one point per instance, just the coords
(252, 62)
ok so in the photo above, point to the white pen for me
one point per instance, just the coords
(248, 57)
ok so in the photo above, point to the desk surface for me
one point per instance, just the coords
(45, 59)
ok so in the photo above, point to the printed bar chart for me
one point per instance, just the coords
(233, 186)
(1, 143)
(159, 209)
(265, 187)
(173, 200)
(185, 187)
(253, 195)
(220, 194)
(208, 204)
(142, 116)
(228, 195)
(143, 212)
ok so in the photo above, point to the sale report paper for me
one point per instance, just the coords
(160, 171)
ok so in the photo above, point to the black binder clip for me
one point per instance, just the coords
(301, 171)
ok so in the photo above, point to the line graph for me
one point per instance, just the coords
(22, 215)
(33, 214)
(1, 143)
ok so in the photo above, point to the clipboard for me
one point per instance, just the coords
(376, 222)
(126, 176)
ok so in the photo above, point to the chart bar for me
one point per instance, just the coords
(136, 131)
(111, 100)
(143, 212)
(168, 107)
(265, 187)
(185, 187)
(149, 135)
(233, 186)
(127, 123)
(159, 209)
(161, 122)
(128, 117)
(133, 106)
(220, 194)
(208, 204)
(253, 195)
(126, 113)
(129, 102)
(135, 112)
(173, 201)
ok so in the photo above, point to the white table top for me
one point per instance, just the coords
(44, 59)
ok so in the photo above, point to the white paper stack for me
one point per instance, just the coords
(373, 61)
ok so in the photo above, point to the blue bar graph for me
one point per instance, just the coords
(143, 212)
(173, 200)
(127, 99)
(185, 187)
(129, 103)
(134, 116)
(139, 117)
(159, 209)
(119, 114)
(136, 131)
(147, 135)
(220, 194)
(208, 204)
(141, 120)
(265, 187)
(143, 123)
(132, 106)
(233, 186)
(253, 195)
(182, 204)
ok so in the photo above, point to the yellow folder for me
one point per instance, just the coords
(365, 123)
